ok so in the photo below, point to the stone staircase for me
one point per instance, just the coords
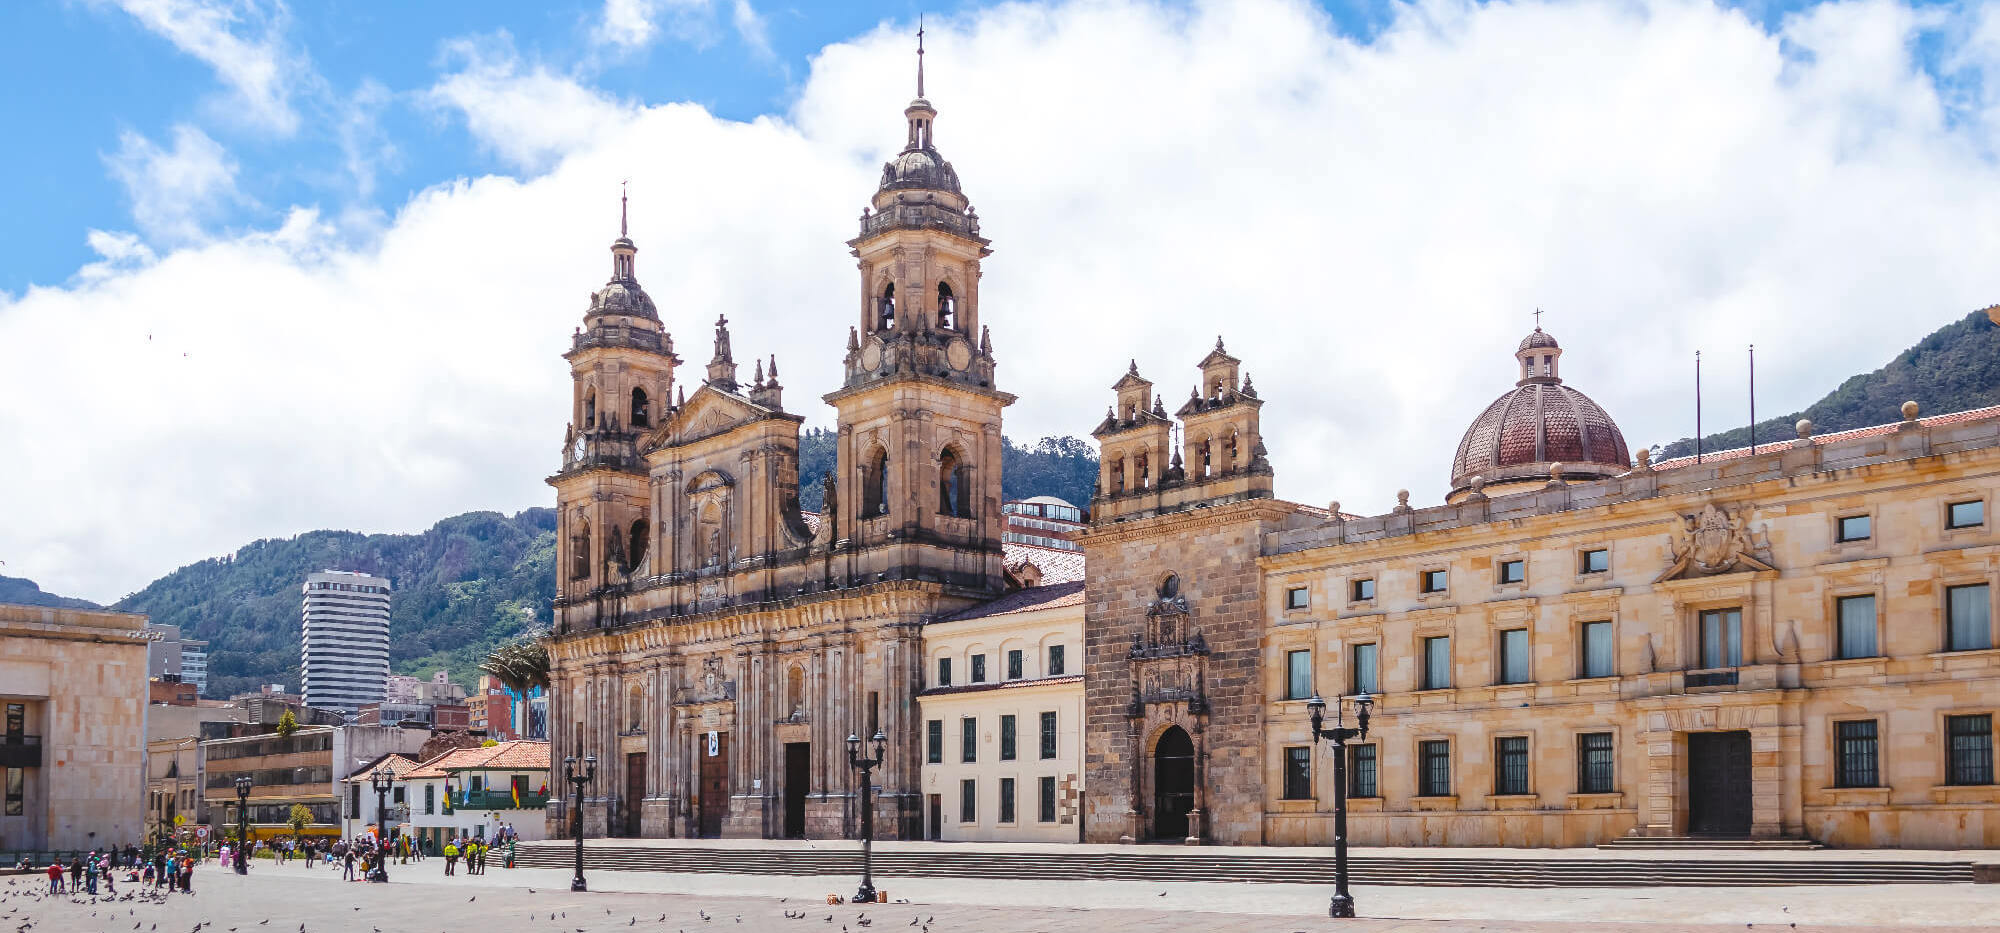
(1711, 842)
(1237, 866)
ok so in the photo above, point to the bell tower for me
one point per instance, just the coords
(621, 373)
(918, 492)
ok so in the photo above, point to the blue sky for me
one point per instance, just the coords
(272, 267)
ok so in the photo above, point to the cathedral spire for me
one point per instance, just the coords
(722, 367)
(622, 209)
(920, 56)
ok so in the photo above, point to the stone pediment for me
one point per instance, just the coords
(709, 412)
(1714, 541)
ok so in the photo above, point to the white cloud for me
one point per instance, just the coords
(750, 27)
(631, 25)
(242, 41)
(173, 191)
(1370, 224)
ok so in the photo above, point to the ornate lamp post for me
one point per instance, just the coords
(1340, 735)
(381, 780)
(866, 894)
(242, 824)
(577, 780)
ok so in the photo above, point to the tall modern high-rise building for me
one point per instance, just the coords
(344, 645)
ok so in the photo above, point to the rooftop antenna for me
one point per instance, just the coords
(920, 54)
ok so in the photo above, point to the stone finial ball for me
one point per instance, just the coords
(1334, 507)
(1804, 427)
(1556, 471)
(1478, 482)
(1402, 497)
(1910, 411)
(1643, 456)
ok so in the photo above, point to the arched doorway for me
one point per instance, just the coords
(1173, 784)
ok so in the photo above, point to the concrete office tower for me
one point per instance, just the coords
(344, 648)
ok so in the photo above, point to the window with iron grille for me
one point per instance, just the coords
(1048, 800)
(1511, 753)
(1854, 764)
(1596, 768)
(1434, 768)
(944, 672)
(934, 741)
(1007, 737)
(1298, 675)
(1361, 771)
(978, 668)
(1856, 617)
(968, 739)
(1298, 772)
(1014, 664)
(1514, 664)
(1006, 800)
(1363, 669)
(968, 801)
(1048, 735)
(1437, 662)
(1970, 743)
(1055, 660)
(1968, 618)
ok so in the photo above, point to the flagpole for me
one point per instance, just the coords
(1753, 399)
(1697, 406)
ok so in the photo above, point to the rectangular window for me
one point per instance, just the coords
(1598, 653)
(1970, 744)
(16, 791)
(1856, 618)
(968, 801)
(1513, 571)
(1965, 514)
(1361, 771)
(874, 712)
(934, 741)
(1514, 660)
(430, 799)
(1435, 581)
(1595, 560)
(944, 672)
(968, 739)
(1722, 638)
(1048, 735)
(1007, 739)
(1968, 618)
(1434, 768)
(978, 668)
(1363, 669)
(1046, 802)
(1298, 597)
(1298, 772)
(1596, 770)
(1055, 660)
(1007, 800)
(1014, 664)
(1854, 764)
(17, 720)
(1364, 590)
(1298, 674)
(1853, 528)
(1437, 662)
(1511, 754)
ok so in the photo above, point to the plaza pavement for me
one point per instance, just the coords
(419, 899)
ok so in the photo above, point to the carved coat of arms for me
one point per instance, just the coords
(1713, 541)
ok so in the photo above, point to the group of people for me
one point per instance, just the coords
(171, 868)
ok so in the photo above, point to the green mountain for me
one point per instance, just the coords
(25, 593)
(464, 585)
(1956, 368)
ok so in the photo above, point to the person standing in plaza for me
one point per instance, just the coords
(55, 876)
(347, 860)
(450, 856)
(187, 877)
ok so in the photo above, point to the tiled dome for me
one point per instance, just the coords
(1539, 423)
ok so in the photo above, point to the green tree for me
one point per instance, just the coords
(288, 724)
(521, 664)
(300, 817)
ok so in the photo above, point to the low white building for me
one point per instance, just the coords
(471, 791)
(1002, 711)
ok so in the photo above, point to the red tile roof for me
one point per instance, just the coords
(1003, 685)
(519, 755)
(1957, 417)
(1057, 565)
(1046, 596)
(401, 763)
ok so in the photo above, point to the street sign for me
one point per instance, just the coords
(201, 833)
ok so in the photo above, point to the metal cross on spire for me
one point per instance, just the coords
(621, 206)
(920, 54)
(1538, 319)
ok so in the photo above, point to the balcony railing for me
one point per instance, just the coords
(1711, 678)
(20, 751)
(496, 800)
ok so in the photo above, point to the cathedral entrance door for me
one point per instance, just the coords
(635, 791)
(713, 753)
(1719, 783)
(798, 777)
(1173, 784)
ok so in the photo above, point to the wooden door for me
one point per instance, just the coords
(1719, 783)
(714, 781)
(798, 779)
(635, 791)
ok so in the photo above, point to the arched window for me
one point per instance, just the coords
(875, 484)
(708, 535)
(795, 693)
(1229, 450)
(1207, 458)
(639, 413)
(885, 310)
(952, 485)
(580, 550)
(1141, 471)
(1117, 476)
(1215, 391)
(635, 552)
(1170, 586)
(947, 307)
(590, 409)
(635, 709)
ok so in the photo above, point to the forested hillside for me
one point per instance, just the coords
(25, 593)
(1955, 368)
(1065, 467)
(466, 584)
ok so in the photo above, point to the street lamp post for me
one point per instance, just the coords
(1340, 735)
(866, 894)
(381, 780)
(577, 780)
(242, 824)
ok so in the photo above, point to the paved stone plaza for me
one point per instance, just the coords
(422, 900)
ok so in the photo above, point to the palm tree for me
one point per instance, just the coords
(521, 664)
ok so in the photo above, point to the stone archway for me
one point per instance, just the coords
(1173, 784)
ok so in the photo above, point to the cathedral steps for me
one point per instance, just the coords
(1182, 865)
(1705, 842)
